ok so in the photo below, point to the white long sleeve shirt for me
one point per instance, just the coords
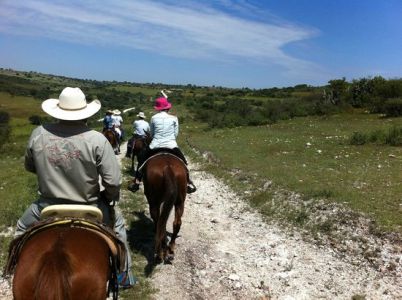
(164, 130)
(140, 127)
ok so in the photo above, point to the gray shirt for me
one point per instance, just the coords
(68, 159)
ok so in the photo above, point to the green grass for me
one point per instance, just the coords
(313, 156)
(20, 107)
(17, 186)
(140, 237)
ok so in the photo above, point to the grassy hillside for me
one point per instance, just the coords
(309, 155)
(313, 156)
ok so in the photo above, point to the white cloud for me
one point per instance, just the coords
(189, 30)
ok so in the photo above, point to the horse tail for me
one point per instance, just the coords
(54, 279)
(169, 197)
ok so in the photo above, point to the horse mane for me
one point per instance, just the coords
(49, 284)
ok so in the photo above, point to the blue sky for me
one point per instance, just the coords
(239, 43)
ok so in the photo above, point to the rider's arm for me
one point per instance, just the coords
(109, 170)
(29, 160)
(176, 127)
(152, 127)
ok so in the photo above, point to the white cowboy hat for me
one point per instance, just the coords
(71, 105)
(117, 112)
(141, 115)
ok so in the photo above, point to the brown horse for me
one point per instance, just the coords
(138, 146)
(113, 140)
(165, 182)
(64, 263)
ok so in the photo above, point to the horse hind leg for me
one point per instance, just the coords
(158, 254)
(176, 228)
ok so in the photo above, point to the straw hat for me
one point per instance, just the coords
(117, 112)
(71, 105)
(162, 103)
(141, 115)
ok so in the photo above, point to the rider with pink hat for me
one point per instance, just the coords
(164, 131)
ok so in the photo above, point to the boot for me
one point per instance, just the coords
(190, 187)
(135, 186)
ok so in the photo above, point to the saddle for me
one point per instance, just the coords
(88, 218)
(162, 152)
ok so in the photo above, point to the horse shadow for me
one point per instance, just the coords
(141, 239)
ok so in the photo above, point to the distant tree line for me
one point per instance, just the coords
(240, 107)
(227, 107)
(377, 94)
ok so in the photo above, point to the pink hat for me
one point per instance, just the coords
(162, 103)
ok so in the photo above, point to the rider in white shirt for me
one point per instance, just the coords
(117, 122)
(140, 126)
(140, 130)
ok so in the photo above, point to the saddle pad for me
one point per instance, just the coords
(72, 210)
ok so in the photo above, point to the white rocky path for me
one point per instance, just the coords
(226, 251)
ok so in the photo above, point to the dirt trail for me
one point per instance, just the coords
(226, 251)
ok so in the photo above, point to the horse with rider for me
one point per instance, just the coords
(112, 128)
(71, 242)
(164, 171)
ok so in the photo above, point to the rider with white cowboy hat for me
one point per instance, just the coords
(117, 122)
(140, 126)
(68, 159)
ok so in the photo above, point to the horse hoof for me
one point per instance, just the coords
(157, 260)
(169, 259)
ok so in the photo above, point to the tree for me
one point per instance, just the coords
(337, 89)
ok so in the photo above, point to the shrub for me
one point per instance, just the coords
(377, 136)
(4, 127)
(4, 117)
(358, 138)
(35, 120)
(394, 137)
(4, 134)
(38, 120)
(393, 108)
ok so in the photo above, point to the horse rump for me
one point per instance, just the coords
(62, 263)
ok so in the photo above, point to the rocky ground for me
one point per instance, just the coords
(225, 250)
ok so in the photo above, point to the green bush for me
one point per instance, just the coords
(38, 120)
(377, 136)
(358, 138)
(393, 108)
(4, 127)
(394, 137)
(4, 117)
(35, 120)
